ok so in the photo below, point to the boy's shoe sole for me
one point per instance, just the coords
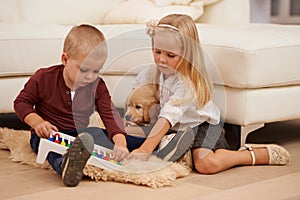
(76, 158)
(178, 146)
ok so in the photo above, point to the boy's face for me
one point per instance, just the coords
(80, 72)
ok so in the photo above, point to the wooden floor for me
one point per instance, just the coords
(258, 182)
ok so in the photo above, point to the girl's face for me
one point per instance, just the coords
(81, 72)
(167, 52)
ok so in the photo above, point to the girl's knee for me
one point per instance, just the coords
(207, 165)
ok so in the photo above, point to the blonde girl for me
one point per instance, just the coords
(185, 91)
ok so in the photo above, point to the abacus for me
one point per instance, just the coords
(60, 142)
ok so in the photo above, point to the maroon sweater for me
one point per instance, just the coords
(47, 94)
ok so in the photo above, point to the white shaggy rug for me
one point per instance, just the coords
(153, 173)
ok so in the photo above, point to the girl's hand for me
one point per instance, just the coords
(119, 153)
(44, 129)
(139, 154)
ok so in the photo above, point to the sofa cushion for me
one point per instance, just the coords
(252, 55)
(25, 47)
(239, 56)
(65, 11)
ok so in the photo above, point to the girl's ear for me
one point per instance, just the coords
(64, 58)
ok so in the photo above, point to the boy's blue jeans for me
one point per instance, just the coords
(100, 138)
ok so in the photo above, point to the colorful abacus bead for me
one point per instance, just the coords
(109, 154)
(94, 153)
(51, 138)
(63, 142)
(57, 138)
(105, 158)
(69, 142)
(99, 155)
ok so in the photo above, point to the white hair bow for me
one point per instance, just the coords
(150, 26)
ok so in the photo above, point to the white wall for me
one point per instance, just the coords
(260, 11)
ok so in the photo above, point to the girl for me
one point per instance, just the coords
(185, 91)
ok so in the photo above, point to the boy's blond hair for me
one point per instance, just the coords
(82, 40)
(191, 67)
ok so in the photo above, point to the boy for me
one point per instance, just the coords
(62, 98)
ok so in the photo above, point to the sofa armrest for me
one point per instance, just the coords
(227, 12)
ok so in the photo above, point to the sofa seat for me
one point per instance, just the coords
(255, 67)
(260, 62)
(255, 70)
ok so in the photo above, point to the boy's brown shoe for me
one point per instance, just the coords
(76, 158)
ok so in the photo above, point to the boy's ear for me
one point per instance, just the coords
(64, 58)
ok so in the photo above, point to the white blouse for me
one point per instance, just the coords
(182, 115)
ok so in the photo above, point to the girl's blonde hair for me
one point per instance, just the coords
(192, 66)
(82, 40)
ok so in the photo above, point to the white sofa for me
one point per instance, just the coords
(255, 67)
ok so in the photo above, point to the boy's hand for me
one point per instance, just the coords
(120, 149)
(41, 127)
(119, 153)
(44, 129)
